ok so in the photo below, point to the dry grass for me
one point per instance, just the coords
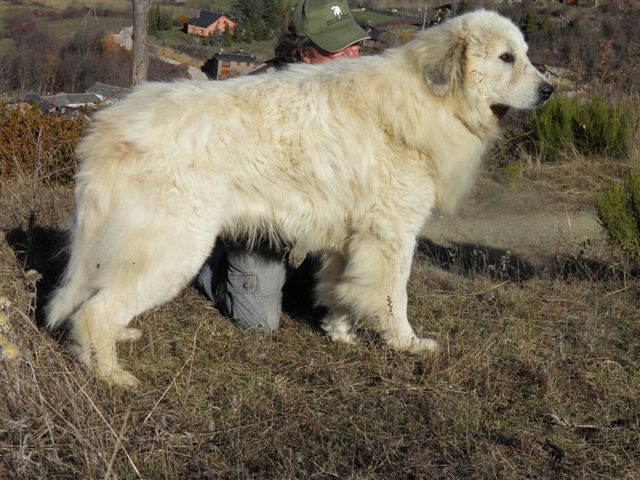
(169, 52)
(62, 4)
(538, 375)
(536, 379)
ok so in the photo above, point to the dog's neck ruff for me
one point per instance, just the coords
(466, 125)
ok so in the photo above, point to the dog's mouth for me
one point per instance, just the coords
(499, 110)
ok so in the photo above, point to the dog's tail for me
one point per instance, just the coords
(75, 287)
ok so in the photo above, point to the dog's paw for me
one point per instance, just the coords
(419, 345)
(414, 344)
(354, 337)
(129, 335)
(341, 329)
(120, 378)
(342, 336)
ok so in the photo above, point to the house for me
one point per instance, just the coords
(208, 22)
(109, 93)
(379, 39)
(96, 96)
(443, 11)
(374, 34)
(228, 65)
(68, 103)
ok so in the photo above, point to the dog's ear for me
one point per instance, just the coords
(445, 62)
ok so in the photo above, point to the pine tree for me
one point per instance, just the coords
(165, 21)
(216, 38)
(152, 28)
(259, 16)
(227, 41)
(238, 35)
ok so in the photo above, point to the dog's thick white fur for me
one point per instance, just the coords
(350, 158)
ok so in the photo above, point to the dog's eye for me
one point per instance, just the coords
(507, 58)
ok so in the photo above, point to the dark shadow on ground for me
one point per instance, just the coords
(40, 249)
(468, 259)
(579, 267)
(297, 294)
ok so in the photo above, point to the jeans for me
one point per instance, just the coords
(246, 286)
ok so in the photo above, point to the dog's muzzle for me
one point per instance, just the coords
(545, 92)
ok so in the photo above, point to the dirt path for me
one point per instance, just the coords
(527, 221)
(123, 37)
(196, 73)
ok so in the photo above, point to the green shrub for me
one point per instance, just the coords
(511, 171)
(552, 127)
(593, 127)
(619, 212)
(34, 144)
(602, 128)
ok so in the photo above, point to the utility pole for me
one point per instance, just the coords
(424, 18)
(140, 53)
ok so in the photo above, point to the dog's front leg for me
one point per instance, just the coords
(393, 322)
(375, 285)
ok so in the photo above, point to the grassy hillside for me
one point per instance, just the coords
(64, 28)
(538, 376)
(62, 4)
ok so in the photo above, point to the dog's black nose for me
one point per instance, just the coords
(545, 91)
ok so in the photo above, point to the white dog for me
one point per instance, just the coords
(350, 158)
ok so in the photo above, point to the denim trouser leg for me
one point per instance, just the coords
(211, 271)
(246, 286)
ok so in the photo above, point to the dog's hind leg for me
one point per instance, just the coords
(149, 270)
(96, 326)
(374, 285)
(338, 324)
(74, 288)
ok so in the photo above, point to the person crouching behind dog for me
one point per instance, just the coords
(246, 284)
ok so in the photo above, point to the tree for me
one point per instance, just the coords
(282, 9)
(159, 20)
(238, 35)
(78, 69)
(216, 37)
(261, 30)
(165, 20)
(140, 59)
(259, 16)
(32, 63)
(153, 21)
(227, 41)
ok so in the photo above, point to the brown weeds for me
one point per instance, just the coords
(538, 375)
(535, 379)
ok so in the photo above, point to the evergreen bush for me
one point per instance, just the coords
(619, 212)
(592, 127)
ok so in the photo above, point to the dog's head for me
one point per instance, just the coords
(483, 57)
